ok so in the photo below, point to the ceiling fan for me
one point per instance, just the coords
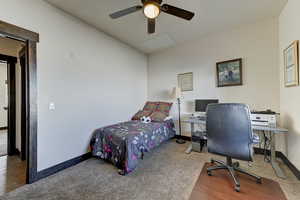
(152, 9)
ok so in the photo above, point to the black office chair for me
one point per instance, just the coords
(230, 134)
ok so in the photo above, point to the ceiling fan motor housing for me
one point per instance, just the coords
(156, 1)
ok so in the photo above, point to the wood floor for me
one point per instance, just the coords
(220, 186)
(12, 173)
(3, 142)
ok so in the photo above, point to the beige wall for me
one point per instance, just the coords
(289, 30)
(256, 43)
(93, 79)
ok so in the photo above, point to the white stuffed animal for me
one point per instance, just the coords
(145, 119)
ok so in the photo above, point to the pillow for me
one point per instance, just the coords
(164, 107)
(140, 114)
(150, 106)
(158, 116)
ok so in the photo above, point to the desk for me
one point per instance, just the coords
(272, 131)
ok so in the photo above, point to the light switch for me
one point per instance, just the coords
(51, 106)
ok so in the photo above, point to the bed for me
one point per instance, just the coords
(124, 144)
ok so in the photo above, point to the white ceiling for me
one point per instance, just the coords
(211, 16)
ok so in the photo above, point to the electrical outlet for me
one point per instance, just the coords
(51, 106)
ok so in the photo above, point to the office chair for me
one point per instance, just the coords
(230, 134)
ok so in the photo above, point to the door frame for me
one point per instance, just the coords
(31, 39)
(11, 101)
(22, 55)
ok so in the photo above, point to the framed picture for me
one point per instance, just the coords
(229, 73)
(185, 81)
(291, 65)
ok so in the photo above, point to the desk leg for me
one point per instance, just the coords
(274, 162)
(192, 128)
(190, 148)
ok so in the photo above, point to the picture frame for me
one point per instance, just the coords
(186, 81)
(230, 73)
(291, 65)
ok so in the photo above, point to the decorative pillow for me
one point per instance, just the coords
(150, 106)
(140, 114)
(164, 107)
(158, 116)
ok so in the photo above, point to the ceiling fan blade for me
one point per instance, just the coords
(151, 26)
(124, 12)
(178, 12)
(158, 1)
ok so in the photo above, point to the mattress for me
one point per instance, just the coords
(124, 144)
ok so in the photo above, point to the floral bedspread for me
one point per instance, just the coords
(124, 144)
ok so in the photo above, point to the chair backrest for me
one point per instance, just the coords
(229, 131)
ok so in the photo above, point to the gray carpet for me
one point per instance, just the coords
(167, 173)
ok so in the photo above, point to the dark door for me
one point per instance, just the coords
(11, 88)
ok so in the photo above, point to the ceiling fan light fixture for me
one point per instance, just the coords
(151, 10)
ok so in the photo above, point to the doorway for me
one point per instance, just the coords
(8, 79)
(13, 99)
(30, 40)
(13, 169)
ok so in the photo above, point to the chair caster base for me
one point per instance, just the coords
(232, 168)
(259, 181)
(236, 164)
(209, 173)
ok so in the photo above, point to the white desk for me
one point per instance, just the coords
(272, 131)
